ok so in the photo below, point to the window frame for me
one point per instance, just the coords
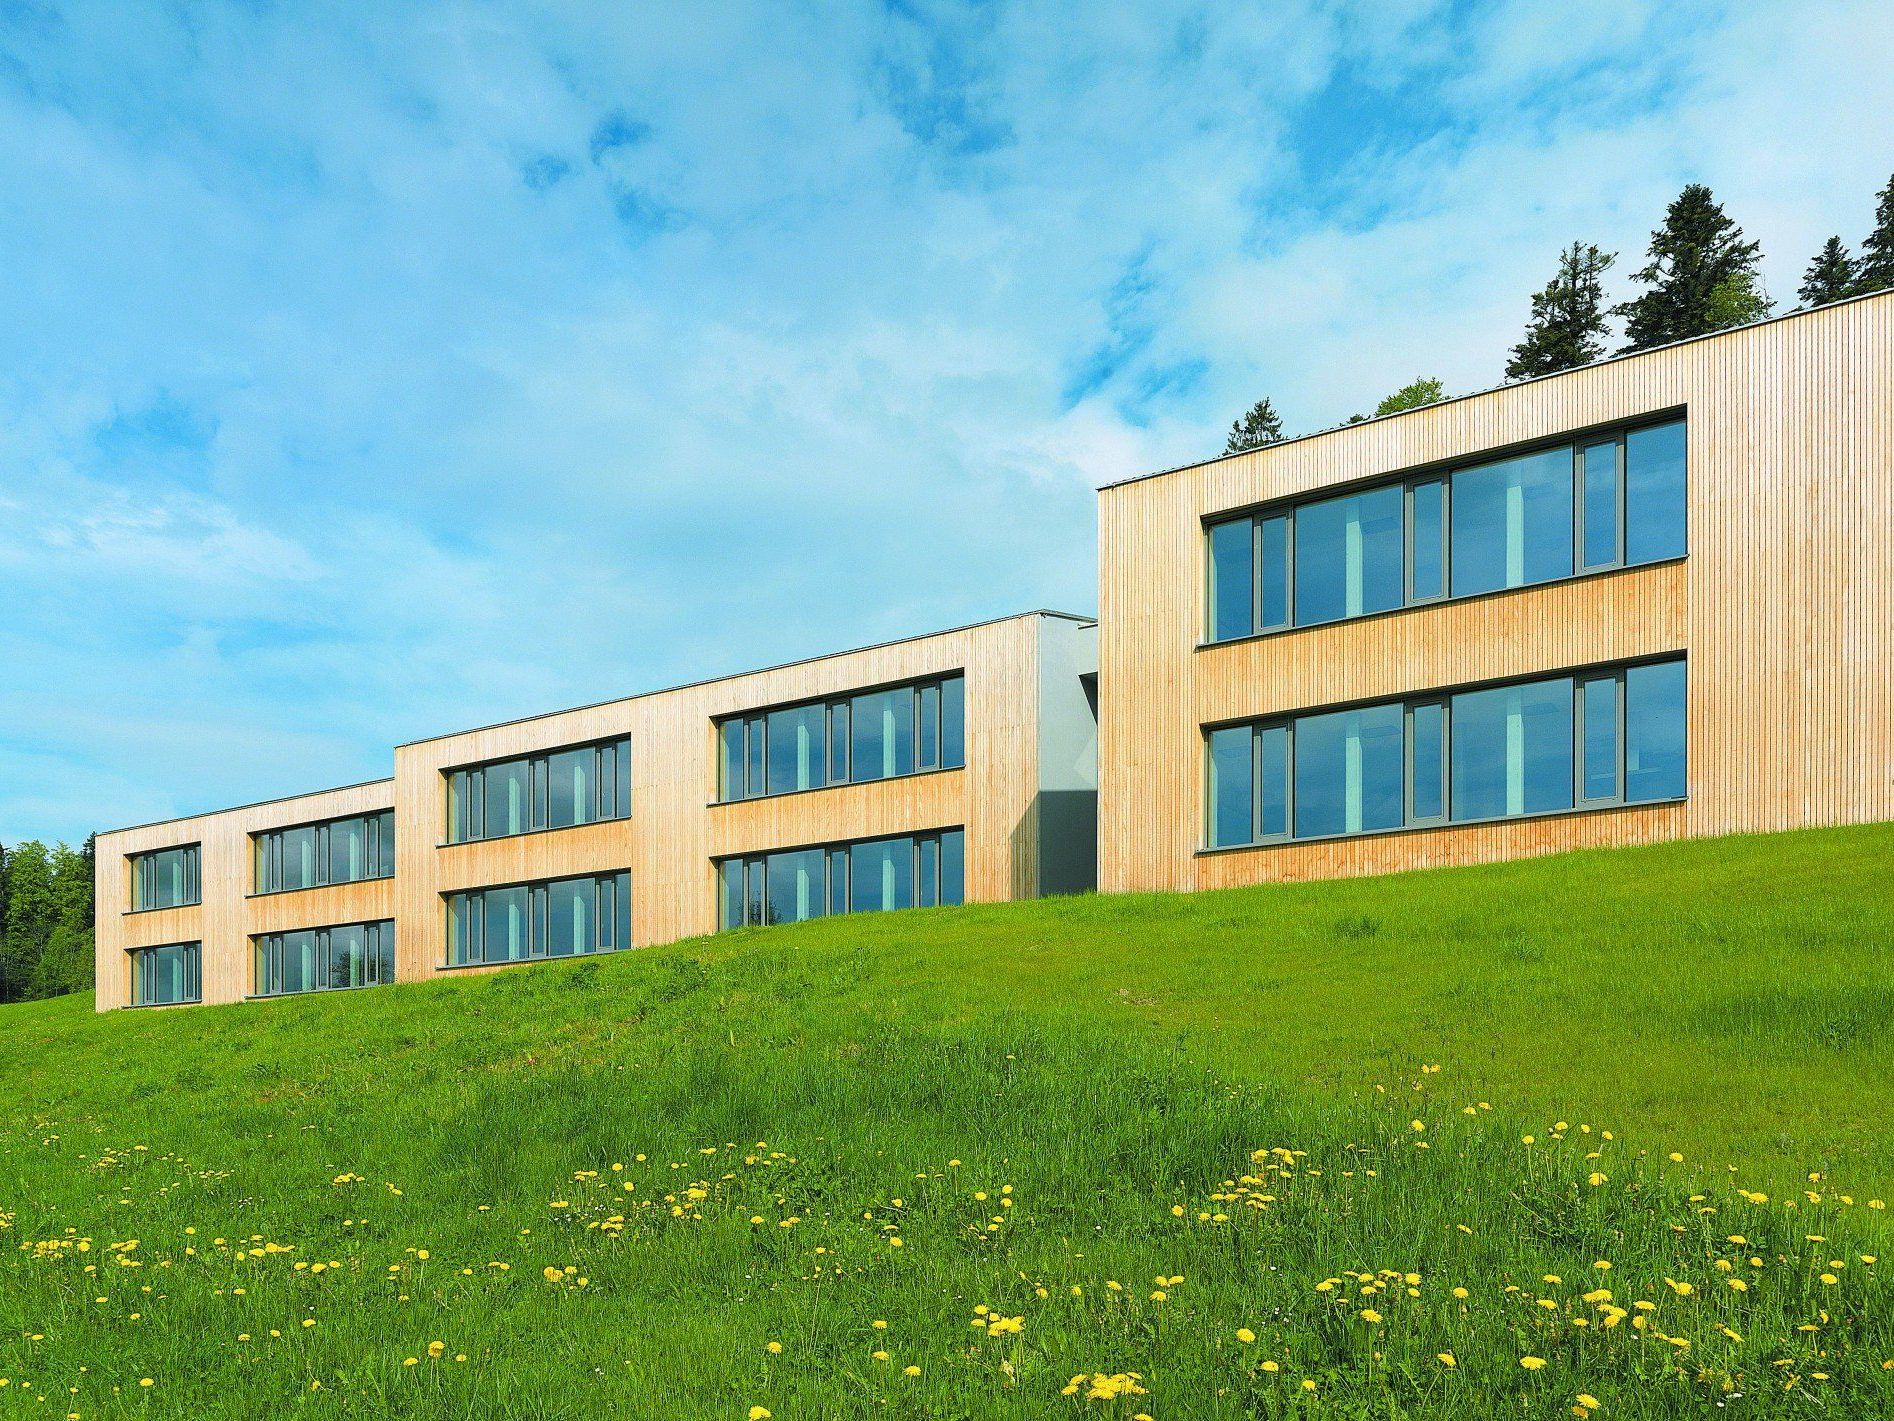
(472, 781)
(838, 737)
(752, 876)
(538, 924)
(138, 870)
(266, 852)
(1408, 481)
(193, 949)
(262, 943)
(1614, 671)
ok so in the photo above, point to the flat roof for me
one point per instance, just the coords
(1494, 389)
(1081, 619)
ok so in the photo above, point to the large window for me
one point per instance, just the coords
(869, 875)
(877, 735)
(165, 879)
(566, 917)
(1585, 741)
(1612, 500)
(165, 976)
(325, 959)
(336, 851)
(579, 785)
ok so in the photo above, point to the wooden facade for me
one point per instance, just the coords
(1784, 606)
(1030, 740)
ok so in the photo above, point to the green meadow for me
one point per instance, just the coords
(1604, 1134)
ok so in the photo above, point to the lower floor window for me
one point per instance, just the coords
(325, 959)
(565, 917)
(162, 976)
(1615, 735)
(913, 871)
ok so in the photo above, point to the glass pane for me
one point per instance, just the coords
(1427, 759)
(460, 820)
(953, 721)
(506, 798)
(1232, 794)
(1598, 737)
(165, 975)
(927, 890)
(386, 842)
(1348, 556)
(460, 928)
(504, 910)
(572, 787)
(795, 748)
(1512, 750)
(794, 890)
(348, 956)
(1512, 522)
(730, 759)
(1232, 579)
(1273, 767)
(881, 875)
(1428, 541)
(730, 894)
(927, 747)
(621, 801)
(1654, 732)
(1349, 771)
(621, 907)
(299, 858)
(1601, 505)
(296, 962)
(1654, 493)
(348, 850)
(1274, 573)
(838, 881)
(953, 867)
(882, 742)
(385, 951)
(571, 917)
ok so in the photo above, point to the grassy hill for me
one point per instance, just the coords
(1261, 1152)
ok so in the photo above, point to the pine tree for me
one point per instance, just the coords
(1830, 277)
(1568, 317)
(1259, 426)
(1702, 276)
(1875, 270)
(1427, 390)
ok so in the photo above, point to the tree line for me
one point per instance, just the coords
(45, 920)
(1700, 276)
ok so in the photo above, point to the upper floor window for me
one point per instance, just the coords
(561, 918)
(167, 878)
(336, 851)
(1611, 500)
(166, 976)
(325, 959)
(869, 875)
(1614, 735)
(876, 735)
(580, 785)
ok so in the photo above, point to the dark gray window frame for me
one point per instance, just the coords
(1579, 676)
(837, 738)
(837, 873)
(1408, 481)
(137, 870)
(263, 943)
(538, 790)
(266, 852)
(194, 972)
(538, 896)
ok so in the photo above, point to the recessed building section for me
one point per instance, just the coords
(1648, 598)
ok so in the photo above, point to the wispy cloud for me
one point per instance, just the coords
(378, 371)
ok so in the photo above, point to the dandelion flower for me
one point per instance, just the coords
(759, 1413)
(1245, 1336)
(910, 1371)
(773, 1348)
(1446, 1359)
(1532, 1364)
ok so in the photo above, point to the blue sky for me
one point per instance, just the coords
(372, 371)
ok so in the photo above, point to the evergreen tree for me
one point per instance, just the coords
(1702, 276)
(46, 936)
(1425, 391)
(1830, 277)
(1568, 317)
(1875, 270)
(1259, 426)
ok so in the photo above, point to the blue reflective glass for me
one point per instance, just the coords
(1427, 761)
(882, 742)
(507, 803)
(1349, 557)
(1654, 493)
(794, 891)
(504, 926)
(1231, 787)
(1427, 537)
(1273, 793)
(953, 866)
(730, 893)
(1512, 750)
(881, 875)
(571, 917)
(1232, 579)
(1512, 522)
(1654, 732)
(1598, 738)
(1273, 575)
(953, 721)
(1601, 505)
(730, 784)
(796, 748)
(1349, 771)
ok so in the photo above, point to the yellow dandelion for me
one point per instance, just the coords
(1532, 1364)
(773, 1348)
(1245, 1336)
(910, 1371)
(1446, 1359)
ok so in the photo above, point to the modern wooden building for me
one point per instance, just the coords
(946, 768)
(1648, 598)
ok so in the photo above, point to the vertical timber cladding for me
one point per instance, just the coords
(230, 912)
(1785, 606)
(676, 829)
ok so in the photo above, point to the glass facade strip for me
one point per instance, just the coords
(861, 876)
(564, 917)
(1610, 500)
(325, 959)
(167, 878)
(876, 735)
(579, 784)
(347, 850)
(166, 976)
